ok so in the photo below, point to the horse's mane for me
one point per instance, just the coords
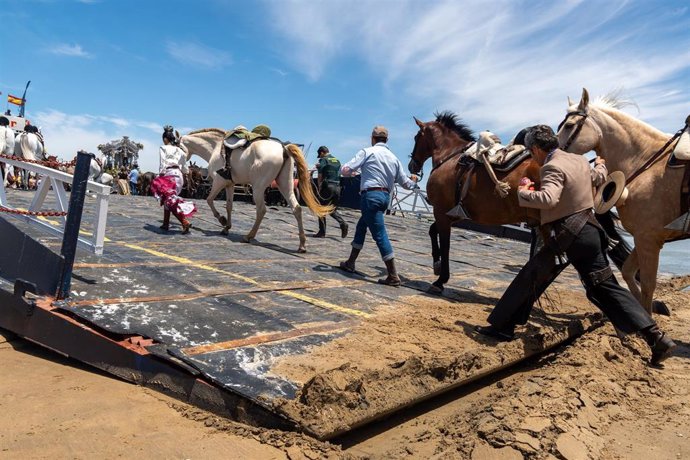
(612, 103)
(451, 121)
(207, 130)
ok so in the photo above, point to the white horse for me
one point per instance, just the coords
(258, 164)
(6, 148)
(96, 173)
(654, 193)
(28, 145)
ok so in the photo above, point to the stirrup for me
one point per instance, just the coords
(458, 213)
(225, 173)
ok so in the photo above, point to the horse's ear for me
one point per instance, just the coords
(419, 123)
(584, 101)
(570, 102)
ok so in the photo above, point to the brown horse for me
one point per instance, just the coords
(444, 140)
(654, 199)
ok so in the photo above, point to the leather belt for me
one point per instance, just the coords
(375, 189)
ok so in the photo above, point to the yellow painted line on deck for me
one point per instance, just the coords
(295, 295)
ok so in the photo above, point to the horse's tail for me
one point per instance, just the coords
(305, 188)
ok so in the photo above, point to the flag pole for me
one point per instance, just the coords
(21, 109)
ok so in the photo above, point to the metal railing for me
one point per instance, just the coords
(55, 180)
(412, 202)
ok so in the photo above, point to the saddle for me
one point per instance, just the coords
(680, 158)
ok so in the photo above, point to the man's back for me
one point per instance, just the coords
(575, 173)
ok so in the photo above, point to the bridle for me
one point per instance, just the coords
(420, 165)
(578, 127)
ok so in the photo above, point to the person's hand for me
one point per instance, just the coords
(526, 184)
(599, 161)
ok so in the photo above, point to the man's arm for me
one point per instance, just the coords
(355, 164)
(402, 178)
(548, 195)
(599, 172)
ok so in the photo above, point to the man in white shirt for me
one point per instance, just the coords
(380, 171)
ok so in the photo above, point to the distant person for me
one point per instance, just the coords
(380, 171)
(565, 202)
(328, 185)
(168, 185)
(134, 179)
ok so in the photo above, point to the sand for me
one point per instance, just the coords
(593, 398)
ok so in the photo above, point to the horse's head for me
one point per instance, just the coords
(434, 138)
(579, 132)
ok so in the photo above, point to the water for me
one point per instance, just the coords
(675, 258)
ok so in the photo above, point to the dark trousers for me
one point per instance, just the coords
(329, 193)
(586, 253)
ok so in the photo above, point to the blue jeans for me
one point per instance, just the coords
(373, 206)
(133, 188)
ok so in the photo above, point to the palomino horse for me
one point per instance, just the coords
(444, 141)
(258, 164)
(654, 195)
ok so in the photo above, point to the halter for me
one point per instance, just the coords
(578, 127)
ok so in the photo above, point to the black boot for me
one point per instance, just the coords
(349, 264)
(393, 279)
(660, 344)
(322, 228)
(502, 335)
(343, 230)
(166, 220)
(225, 173)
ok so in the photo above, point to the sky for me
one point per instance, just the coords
(325, 72)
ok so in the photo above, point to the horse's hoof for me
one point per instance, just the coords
(302, 250)
(660, 308)
(435, 290)
(437, 268)
(225, 231)
(223, 221)
(246, 239)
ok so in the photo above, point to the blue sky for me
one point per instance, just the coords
(325, 72)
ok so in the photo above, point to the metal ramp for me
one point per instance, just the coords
(206, 317)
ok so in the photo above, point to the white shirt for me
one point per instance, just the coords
(171, 155)
(380, 168)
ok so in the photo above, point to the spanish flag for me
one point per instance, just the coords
(15, 100)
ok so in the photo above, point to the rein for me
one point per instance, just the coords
(454, 153)
(656, 157)
(578, 127)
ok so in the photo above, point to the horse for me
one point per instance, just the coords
(654, 197)
(444, 140)
(29, 146)
(192, 181)
(96, 172)
(257, 164)
(144, 183)
(6, 148)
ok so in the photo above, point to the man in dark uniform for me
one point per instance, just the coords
(565, 201)
(328, 184)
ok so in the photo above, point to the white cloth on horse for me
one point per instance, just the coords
(172, 156)
(682, 150)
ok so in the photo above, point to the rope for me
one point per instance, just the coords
(49, 163)
(33, 213)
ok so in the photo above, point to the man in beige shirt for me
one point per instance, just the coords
(565, 200)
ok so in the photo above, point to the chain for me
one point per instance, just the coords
(49, 163)
(33, 213)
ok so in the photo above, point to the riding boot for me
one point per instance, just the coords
(186, 225)
(660, 344)
(393, 279)
(349, 264)
(166, 220)
(322, 228)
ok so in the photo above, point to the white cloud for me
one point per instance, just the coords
(500, 65)
(195, 54)
(64, 49)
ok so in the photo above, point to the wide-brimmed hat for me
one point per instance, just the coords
(611, 193)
